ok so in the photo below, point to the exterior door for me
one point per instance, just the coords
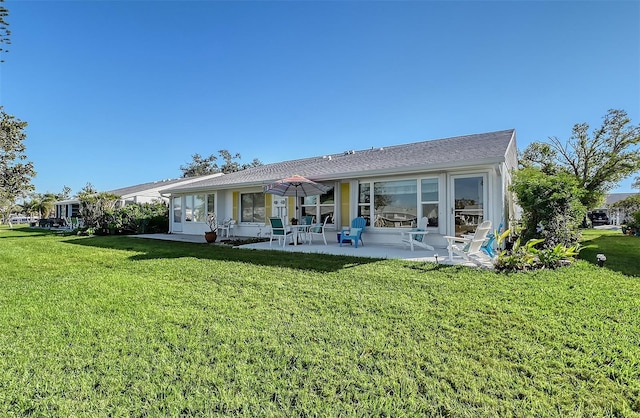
(468, 205)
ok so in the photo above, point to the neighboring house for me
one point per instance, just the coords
(616, 216)
(455, 182)
(141, 193)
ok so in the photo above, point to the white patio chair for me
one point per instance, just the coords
(279, 231)
(415, 237)
(470, 249)
(227, 227)
(318, 230)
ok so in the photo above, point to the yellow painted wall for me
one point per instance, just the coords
(291, 209)
(235, 213)
(268, 205)
(344, 205)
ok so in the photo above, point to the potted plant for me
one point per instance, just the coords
(294, 221)
(212, 234)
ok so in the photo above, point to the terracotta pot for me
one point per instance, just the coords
(211, 236)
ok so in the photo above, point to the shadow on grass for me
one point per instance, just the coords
(26, 232)
(158, 249)
(622, 253)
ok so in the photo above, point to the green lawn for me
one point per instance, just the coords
(622, 252)
(121, 326)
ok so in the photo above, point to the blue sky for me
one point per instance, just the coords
(118, 93)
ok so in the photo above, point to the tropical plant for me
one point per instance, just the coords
(529, 257)
(212, 222)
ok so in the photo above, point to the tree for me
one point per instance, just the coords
(95, 207)
(551, 205)
(15, 175)
(5, 33)
(203, 166)
(598, 161)
(200, 166)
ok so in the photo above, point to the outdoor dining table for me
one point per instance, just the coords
(298, 230)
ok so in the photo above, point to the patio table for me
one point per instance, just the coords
(298, 230)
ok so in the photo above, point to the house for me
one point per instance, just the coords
(141, 193)
(455, 182)
(616, 216)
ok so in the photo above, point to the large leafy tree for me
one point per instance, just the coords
(598, 160)
(551, 205)
(5, 33)
(201, 166)
(15, 172)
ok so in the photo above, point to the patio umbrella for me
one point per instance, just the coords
(296, 186)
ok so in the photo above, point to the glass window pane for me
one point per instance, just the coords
(252, 208)
(246, 207)
(188, 208)
(430, 210)
(326, 211)
(364, 192)
(395, 203)
(364, 211)
(327, 198)
(469, 205)
(198, 208)
(211, 203)
(177, 209)
(429, 190)
(259, 209)
(309, 200)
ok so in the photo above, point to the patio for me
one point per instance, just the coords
(333, 248)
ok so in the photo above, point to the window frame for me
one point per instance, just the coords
(366, 202)
(254, 220)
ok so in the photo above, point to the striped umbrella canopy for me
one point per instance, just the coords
(296, 186)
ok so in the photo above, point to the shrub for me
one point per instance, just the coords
(528, 257)
(145, 218)
(551, 206)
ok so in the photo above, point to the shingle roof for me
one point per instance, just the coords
(436, 154)
(132, 190)
(616, 197)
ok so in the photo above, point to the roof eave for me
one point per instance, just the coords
(352, 175)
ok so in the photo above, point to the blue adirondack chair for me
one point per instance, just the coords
(354, 234)
(487, 247)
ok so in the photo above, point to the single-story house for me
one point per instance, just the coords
(141, 193)
(616, 216)
(455, 182)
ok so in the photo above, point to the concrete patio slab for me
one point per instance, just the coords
(440, 255)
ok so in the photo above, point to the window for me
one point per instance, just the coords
(429, 200)
(364, 201)
(252, 207)
(211, 204)
(194, 208)
(319, 206)
(177, 209)
(395, 203)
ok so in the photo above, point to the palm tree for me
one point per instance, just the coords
(43, 204)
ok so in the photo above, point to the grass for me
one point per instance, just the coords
(622, 251)
(119, 326)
